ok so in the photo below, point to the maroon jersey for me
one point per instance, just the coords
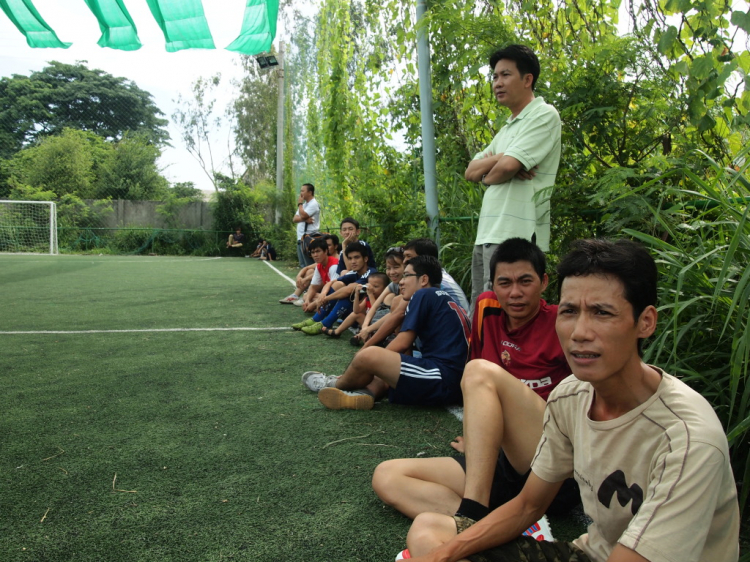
(532, 353)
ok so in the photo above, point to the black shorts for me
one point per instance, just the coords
(507, 484)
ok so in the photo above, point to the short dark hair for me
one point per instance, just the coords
(350, 220)
(379, 275)
(335, 241)
(623, 259)
(427, 265)
(319, 244)
(355, 247)
(310, 187)
(518, 249)
(422, 247)
(525, 59)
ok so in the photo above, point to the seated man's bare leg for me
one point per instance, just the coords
(368, 375)
(415, 486)
(367, 365)
(499, 411)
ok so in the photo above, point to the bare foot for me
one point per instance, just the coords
(458, 444)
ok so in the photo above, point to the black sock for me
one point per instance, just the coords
(472, 509)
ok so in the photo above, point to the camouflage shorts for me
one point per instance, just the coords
(524, 549)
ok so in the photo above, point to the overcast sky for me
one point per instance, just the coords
(164, 75)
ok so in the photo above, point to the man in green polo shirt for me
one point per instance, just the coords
(518, 167)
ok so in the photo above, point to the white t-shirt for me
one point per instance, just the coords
(449, 285)
(656, 480)
(312, 208)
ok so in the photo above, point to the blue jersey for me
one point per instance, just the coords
(441, 326)
(356, 277)
(368, 253)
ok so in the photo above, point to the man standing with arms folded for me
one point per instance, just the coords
(307, 219)
(518, 167)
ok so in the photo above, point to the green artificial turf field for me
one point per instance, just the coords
(140, 421)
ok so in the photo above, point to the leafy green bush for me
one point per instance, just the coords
(131, 241)
(240, 205)
(704, 263)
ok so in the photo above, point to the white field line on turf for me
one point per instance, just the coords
(292, 281)
(134, 259)
(270, 329)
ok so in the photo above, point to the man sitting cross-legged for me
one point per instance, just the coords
(337, 303)
(391, 322)
(350, 232)
(648, 452)
(517, 361)
(431, 380)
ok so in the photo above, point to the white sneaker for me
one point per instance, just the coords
(289, 300)
(299, 302)
(540, 530)
(316, 381)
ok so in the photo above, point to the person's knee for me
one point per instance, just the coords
(367, 357)
(385, 480)
(428, 531)
(481, 375)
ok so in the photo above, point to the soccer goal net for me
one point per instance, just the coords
(28, 226)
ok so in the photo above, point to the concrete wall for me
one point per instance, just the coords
(126, 213)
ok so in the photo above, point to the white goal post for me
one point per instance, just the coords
(28, 226)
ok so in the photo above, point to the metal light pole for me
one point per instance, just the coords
(280, 134)
(428, 126)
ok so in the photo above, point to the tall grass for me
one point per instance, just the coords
(704, 262)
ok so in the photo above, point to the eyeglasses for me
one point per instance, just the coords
(405, 275)
(395, 250)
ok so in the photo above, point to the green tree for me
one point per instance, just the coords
(82, 164)
(198, 120)
(130, 171)
(64, 164)
(255, 111)
(74, 96)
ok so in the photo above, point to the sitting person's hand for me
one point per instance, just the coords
(318, 302)
(365, 333)
(458, 444)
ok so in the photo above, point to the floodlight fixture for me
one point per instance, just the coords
(266, 61)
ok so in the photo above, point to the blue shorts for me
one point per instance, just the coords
(423, 382)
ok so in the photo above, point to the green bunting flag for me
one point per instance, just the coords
(25, 17)
(183, 23)
(258, 27)
(118, 29)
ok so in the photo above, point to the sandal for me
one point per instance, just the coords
(330, 332)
